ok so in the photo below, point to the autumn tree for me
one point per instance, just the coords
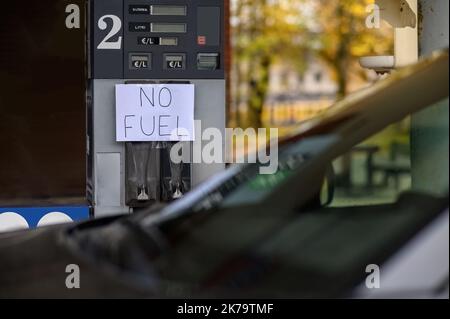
(269, 31)
(340, 37)
(264, 31)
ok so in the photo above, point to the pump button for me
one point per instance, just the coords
(140, 61)
(175, 61)
(208, 61)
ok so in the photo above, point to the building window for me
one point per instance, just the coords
(318, 76)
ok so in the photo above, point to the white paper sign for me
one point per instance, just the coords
(155, 112)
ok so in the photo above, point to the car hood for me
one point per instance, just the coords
(34, 263)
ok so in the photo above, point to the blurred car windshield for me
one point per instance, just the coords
(375, 168)
(234, 241)
(259, 233)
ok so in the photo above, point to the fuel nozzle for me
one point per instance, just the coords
(152, 176)
(175, 184)
(143, 174)
(176, 180)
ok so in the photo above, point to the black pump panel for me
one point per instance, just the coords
(187, 31)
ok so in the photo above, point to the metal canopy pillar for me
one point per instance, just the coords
(429, 139)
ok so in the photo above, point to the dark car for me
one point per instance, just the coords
(311, 230)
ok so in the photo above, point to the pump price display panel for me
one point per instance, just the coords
(154, 39)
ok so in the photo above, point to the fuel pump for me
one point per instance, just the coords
(143, 43)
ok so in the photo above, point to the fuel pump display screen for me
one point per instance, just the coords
(159, 10)
(169, 27)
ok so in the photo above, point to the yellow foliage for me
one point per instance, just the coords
(268, 31)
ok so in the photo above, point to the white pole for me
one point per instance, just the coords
(430, 128)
